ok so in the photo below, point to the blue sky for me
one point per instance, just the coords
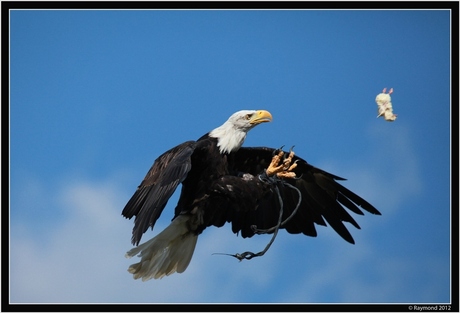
(96, 96)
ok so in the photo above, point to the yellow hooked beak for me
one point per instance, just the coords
(260, 116)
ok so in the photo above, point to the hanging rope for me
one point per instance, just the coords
(274, 181)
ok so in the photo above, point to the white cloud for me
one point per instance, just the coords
(365, 275)
(81, 258)
(70, 261)
(387, 172)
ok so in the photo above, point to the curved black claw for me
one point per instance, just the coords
(299, 177)
(286, 155)
(276, 151)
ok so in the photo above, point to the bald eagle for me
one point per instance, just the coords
(225, 182)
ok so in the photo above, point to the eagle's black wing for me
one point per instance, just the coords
(323, 198)
(152, 195)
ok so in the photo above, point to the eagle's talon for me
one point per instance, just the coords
(281, 165)
(278, 151)
(293, 166)
(286, 174)
(287, 161)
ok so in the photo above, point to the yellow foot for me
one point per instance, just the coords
(282, 168)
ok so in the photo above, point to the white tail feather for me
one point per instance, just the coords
(168, 252)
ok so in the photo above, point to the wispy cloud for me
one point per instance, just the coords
(387, 171)
(80, 258)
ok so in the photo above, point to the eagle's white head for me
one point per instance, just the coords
(232, 133)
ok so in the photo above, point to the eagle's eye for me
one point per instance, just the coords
(248, 116)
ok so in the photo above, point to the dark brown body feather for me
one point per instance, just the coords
(220, 188)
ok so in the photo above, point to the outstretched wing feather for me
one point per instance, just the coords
(323, 198)
(152, 195)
